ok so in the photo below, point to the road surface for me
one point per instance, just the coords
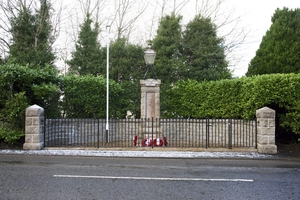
(73, 177)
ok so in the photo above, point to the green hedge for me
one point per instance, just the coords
(85, 97)
(213, 99)
(21, 86)
(82, 96)
(239, 98)
(40, 86)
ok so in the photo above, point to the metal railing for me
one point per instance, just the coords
(176, 133)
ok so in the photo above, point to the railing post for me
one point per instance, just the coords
(207, 133)
(230, 133)
(152, 133)
(256, 133)
(44, 129)
(98, 129)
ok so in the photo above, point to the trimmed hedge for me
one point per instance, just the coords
(21, 86)
(239, 98)
(85, 97)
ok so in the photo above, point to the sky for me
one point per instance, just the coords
(252, 18)
(256, 15)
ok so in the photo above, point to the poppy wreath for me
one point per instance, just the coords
(156, 141)
(146, 142)
(165, 141)
(135, 140)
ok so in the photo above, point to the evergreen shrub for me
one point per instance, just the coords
(239, 98)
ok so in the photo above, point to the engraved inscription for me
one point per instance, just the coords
(151, 83)
(150, 105)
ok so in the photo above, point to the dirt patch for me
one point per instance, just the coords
(289, 150)
(17, 145)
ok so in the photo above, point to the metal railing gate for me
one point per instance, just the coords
(175, 133)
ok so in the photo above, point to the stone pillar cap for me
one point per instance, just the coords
(34, 106)
(265, 112)
(150, 82)
(34, 110)
(266, 109)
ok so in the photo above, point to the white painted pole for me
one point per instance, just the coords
(107, 83)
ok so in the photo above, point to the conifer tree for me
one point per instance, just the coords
(126, 67)
(31, 37)
(168, 47)
(86, 59)
(125, 61)
(279, 49)
(195, 53)
(204, 51)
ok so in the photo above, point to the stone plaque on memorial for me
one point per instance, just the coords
(150, 105)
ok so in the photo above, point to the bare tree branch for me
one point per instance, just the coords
(123, 22)
(178, 7)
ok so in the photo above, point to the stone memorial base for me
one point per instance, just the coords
(150, 110)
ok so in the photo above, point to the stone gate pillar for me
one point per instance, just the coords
(150, 108)
(266, 131)
(34, 128)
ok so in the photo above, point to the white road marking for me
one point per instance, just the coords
(154, 178)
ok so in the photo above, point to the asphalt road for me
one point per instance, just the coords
(70, 177)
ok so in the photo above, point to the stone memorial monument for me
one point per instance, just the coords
(150, 109)
(150, 104)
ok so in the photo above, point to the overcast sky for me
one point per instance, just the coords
(252, 16)
(256, 14)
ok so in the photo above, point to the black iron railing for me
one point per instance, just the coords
(183, 133)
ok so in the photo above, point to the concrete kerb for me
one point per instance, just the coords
(157, 149)
(142, 153)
